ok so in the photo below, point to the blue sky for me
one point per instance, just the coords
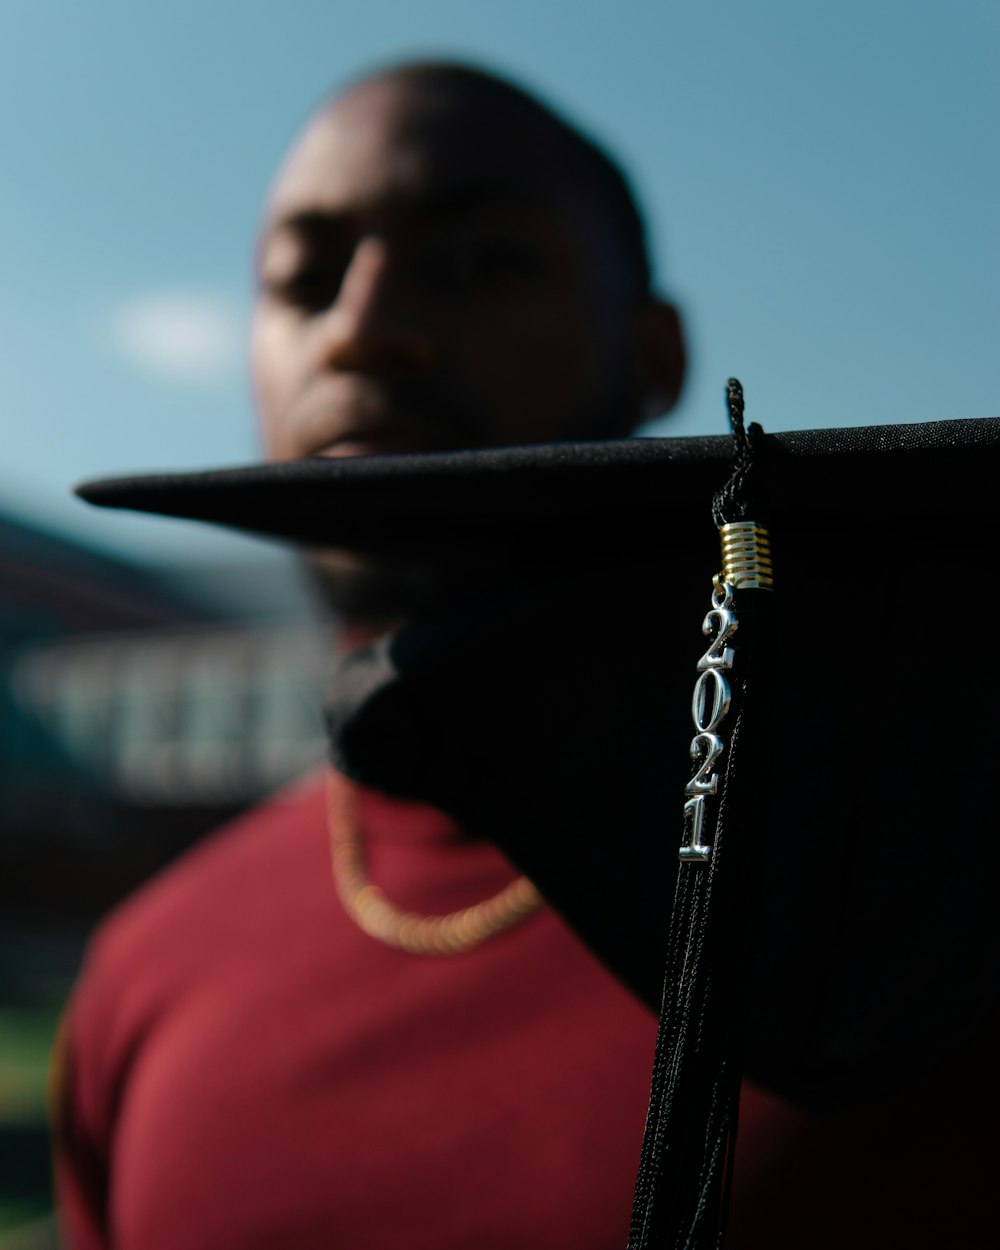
(821, 183)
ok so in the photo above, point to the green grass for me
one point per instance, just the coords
(26, 1035)
(25, 1043)
(15, 1213)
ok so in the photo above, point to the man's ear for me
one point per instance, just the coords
(662, 358)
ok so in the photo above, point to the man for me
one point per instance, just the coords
(434, 1061)
(444, 264)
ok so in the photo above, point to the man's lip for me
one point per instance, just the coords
(352, 416)
(361, 445)
(404, 433)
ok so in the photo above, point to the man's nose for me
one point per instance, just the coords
(375, 324)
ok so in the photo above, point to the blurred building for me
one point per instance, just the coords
(136, 711)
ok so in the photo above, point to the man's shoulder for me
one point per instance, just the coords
(184, 946)
(211, 892)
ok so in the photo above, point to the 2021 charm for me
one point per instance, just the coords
(710, 705)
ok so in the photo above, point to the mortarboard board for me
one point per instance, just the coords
(877, 941)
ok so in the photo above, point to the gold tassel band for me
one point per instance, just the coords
(746, 555)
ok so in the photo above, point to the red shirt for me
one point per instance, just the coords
(246, 1068)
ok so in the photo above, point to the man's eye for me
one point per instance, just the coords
(311, 287)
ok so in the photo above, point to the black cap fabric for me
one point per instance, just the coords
(556, 721)
(861, 473)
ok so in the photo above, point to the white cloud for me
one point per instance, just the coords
(191, 336)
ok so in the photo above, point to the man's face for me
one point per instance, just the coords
(432, 277)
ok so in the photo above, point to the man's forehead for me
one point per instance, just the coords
(398, 140)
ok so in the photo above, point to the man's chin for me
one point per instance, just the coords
(379, 594)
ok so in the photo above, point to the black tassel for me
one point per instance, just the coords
(685, 1173)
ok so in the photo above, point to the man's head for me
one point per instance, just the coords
(445, 263)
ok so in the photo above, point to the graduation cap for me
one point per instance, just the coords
(814, 858)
